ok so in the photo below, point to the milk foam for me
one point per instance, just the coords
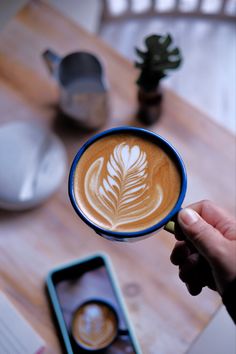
(126, 182)
(124, 195)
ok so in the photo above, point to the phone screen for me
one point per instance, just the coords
(92, 280)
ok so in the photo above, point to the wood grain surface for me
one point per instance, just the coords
(165, 317)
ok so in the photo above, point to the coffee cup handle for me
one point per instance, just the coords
(170, 226)
(123, 332)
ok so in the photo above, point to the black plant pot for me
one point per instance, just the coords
(150, 104)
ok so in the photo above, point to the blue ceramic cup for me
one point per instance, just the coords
(136, 235)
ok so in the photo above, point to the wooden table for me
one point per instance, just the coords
(165, 317)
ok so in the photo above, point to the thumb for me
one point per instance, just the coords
(205, 238)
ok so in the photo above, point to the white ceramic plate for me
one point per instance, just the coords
(32, 165)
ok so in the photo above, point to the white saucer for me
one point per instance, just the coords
(32, 165)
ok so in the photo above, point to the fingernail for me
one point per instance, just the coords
(188, 216)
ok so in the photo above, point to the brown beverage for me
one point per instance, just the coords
(94, 326)
(126, 182)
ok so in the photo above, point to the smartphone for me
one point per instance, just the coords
(72, 284)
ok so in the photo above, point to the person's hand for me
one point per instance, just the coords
(206, 248)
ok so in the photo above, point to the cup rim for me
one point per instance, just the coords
(98, 301)
(118, 234)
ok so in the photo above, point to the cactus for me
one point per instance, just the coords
(156, 61)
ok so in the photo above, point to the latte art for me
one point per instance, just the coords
(126, 183)
(94, 325)
(121, 196)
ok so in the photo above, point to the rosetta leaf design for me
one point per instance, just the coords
(123, 195)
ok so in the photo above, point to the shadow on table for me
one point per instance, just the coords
(66, 128)
(8, 215)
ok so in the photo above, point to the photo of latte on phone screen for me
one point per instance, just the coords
(89, 310)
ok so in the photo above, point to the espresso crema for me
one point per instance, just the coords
(126, 183)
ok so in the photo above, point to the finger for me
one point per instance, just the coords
(217, 217)
(180, 252)
(197, 271)
(190, 273)
(194, 289)
(179, 235)
(189, 270)
(205, 272)
(206, 239)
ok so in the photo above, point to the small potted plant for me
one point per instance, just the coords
(159, 57)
